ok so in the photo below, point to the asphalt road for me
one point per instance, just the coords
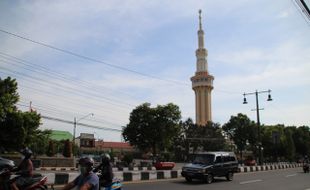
(287, 179)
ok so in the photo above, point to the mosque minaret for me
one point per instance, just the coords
(202, 81)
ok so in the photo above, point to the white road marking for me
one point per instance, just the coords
(291, 175)
(251, 181)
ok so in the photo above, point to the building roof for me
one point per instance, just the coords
(87, 136)
(60, 135)
(117, 145)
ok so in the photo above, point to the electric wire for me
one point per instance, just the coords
(95, 60)
(88, 58)
(76, 110)
(80, 124)
(78, 103)
(38, 108)
(66, 88)
(55, 110)
(301, 10)
(59, 75)
(72, 122)
(71, 89)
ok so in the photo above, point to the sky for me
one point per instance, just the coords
(72, 58)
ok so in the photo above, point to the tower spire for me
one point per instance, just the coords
(200, 26)
(201, 52)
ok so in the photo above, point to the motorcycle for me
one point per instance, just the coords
(116, 183)
(306, 168)
(7, 177)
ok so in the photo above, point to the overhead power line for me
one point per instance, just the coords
(40, 69)
(304, 8)
(66, 78)
(88, 58)
(52, 110)
(69, 88)
(80, 124)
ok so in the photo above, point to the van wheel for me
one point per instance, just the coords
(188, 179)
(229, 176)
(209, 178)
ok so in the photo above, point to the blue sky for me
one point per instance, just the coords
(252, 45)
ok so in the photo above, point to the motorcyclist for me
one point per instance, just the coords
(24, 169)
(87, 180)
(306, 160)
(306, 164)
(106, 177)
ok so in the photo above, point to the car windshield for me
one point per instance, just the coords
(203, 159)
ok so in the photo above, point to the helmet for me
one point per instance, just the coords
(86, 161)
(105, 157)
(86, 164)
(26, 152)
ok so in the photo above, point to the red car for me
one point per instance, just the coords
(250, 162)
(164, 165)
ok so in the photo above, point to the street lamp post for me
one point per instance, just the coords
(75, 122)
(257, 115)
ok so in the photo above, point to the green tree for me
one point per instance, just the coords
(195, 137)
(182, 142)
(8, 97)
(18, 128)
(12, 135)
(241, 130)
(153, 128)
(128, 158)
(39, 143)
(301, 138)
(289, 144)
(278, 142)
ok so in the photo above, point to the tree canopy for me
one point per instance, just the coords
(18, 128)
(194, 138)
(153, 129)
(281, 142)
(241, 130)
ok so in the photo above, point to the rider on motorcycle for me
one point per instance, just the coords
(106, 177)
(306, 160)
(306, 164)
(25, 170)
(87, 180)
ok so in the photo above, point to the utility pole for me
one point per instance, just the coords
(258, 119)
(75, 123)
(74, 130)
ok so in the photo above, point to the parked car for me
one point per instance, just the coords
(164, 165)
(250, 162)
(160, 163)
(207, 165)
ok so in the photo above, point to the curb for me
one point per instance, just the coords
(55, 169)
(114, 169)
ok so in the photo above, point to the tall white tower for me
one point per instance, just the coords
(202, 81)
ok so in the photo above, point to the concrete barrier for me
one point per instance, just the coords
(126, 169)
(267, 167)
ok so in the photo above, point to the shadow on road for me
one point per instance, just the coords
(199, 182)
